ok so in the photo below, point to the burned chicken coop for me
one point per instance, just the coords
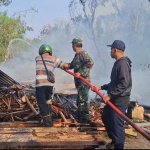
(21, 126)
(19, 113)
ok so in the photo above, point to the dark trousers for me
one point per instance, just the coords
(43, 94)
(114, 125)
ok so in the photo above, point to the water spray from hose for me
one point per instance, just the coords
(8, 48)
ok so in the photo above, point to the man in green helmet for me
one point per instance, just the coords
(44, 88)
(82, 64)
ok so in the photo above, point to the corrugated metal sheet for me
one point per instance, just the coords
(6, 80)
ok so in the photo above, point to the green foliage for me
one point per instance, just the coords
(5, 2)
(10, 28)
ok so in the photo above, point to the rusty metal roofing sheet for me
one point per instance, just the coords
(6, 80)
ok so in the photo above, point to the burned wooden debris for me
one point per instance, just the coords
(137, 113)
(19, 113)
(15, 104)
(18, 103)
(54, 138)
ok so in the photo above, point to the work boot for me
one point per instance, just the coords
(84, 121)
(110, 146)
(48, 121)
(83, 117)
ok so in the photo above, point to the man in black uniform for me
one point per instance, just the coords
(118, 91)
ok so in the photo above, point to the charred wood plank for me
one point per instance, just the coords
(30, 105)
(53, 145)
(63, 117)
(74, 105)
(15, 112)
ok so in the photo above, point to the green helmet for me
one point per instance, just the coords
(77, 40)
(45, 48)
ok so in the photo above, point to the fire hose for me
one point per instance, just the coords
(140, 130)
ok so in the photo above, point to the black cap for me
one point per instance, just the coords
(118, 44)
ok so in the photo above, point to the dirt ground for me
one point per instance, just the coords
(131, 142)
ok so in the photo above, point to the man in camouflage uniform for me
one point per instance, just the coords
(82, 64)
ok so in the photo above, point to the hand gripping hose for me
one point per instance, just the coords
(141, 131)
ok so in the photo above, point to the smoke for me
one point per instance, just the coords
(22, 67)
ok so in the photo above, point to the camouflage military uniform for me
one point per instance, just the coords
(82, 63)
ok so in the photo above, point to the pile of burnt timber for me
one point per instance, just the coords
(18, 103)
(21, 125)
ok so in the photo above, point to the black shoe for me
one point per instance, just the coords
(48, 121)
(110, 146)
(84, 121)
(102, 143)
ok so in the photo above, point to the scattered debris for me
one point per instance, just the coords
(19, 109)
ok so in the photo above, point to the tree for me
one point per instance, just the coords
(5, 2)
(88, 19)
(10, 28)
(128, 21)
